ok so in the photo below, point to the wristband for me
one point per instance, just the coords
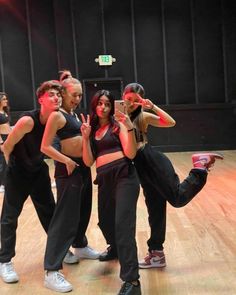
(129, 130)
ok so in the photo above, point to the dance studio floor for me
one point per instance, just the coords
(200, 244)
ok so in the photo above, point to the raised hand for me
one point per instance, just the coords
(133, 97)
(147, 104)
(124, 119)
(85, 128)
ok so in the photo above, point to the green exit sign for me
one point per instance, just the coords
(105, 60)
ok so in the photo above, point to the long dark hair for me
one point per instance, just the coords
(94, 120)
(6, 109)
(134, 88)
(137, 115)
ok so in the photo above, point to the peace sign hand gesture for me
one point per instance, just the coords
(85, 128)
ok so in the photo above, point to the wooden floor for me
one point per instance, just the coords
(200, 245)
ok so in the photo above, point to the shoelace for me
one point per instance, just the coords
(60, 277)
(9, 267)
(89, 248)
(69, 253)
(148, 257)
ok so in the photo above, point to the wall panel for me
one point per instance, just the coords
(88, 27)
(229, 19)
(2, 87)
(209, 54)
(119, 42)
(64, 35)
(149, 48)
(15, 55)
(179, 52)
(43, 38)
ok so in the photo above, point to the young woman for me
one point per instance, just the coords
(81, 248)
(73, 181)
(5, 129)
(159, 181)
(113, 146)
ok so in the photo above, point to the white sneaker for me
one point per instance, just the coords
(8, 273)
(87, 253)
(70, 258)
(55, 281)
(2, 189)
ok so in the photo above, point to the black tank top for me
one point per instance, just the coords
(3, 118)
(71, 128)
(108, 144)
(26, 152)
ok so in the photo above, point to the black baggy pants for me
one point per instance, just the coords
(160, 183)
(19, 185)
(64, 225)
(3, 164)
(118, 191)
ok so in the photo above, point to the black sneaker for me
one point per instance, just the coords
(109, 254)
(130, 289)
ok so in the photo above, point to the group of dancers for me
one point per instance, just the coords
(116, 142)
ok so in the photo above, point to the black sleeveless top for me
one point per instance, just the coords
(71, 128)
(3, 118)
(109, 143)
(26, 152)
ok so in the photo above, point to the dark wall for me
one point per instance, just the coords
(183, 52)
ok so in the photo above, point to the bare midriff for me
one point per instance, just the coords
(72, 147)
(108, 158)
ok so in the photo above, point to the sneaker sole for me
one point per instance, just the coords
(10, 281)
(65, 290)
(152, 266)
(71, 262)
(89, 257)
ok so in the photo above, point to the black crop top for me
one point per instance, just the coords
(3, 118)
(71, 128)
(109, 143)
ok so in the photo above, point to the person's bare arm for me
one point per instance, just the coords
(24, 125)
(55, 122)
(127, 135)
(87, 152)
